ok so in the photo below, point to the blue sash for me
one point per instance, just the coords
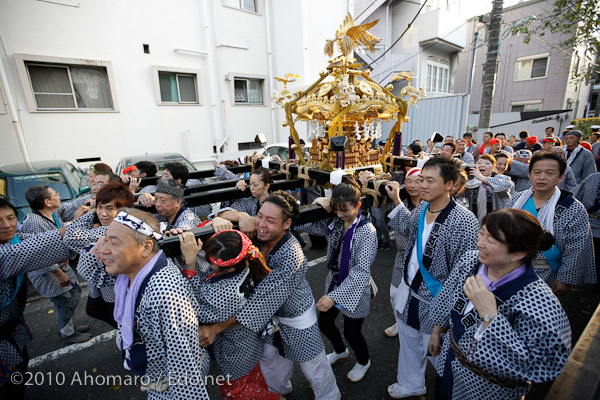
(432, 284)
(15, 240)
(553, 254)
(56, 221)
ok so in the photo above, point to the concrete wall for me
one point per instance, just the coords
(114, 32)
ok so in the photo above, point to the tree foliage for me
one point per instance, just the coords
(579, 21)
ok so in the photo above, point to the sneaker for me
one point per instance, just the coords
(396, 391)
(391, 331)
(358, 372)
(77, 337)
(82, 328)
(335, 357)
(288, 388)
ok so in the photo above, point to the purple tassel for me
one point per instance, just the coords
(291, 153)
(397, 144)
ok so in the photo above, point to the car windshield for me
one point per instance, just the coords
(161, 164)
(14, 187)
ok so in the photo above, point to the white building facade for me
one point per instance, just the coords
(88, 78)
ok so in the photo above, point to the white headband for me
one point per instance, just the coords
(140, 226)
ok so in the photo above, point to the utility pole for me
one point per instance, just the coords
(491, 65)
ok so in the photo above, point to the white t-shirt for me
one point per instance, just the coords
(413, 264)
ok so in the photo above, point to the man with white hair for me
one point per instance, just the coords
(155, 308)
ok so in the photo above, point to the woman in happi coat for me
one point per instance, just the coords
(489, 191)
(223, 276)
(506, 327)
(351, 250)
(244, 210)
(83, 234)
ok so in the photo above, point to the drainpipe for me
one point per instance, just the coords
(276, 135)
(14, 114)
(214, 74)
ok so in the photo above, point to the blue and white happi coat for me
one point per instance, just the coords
(353, 294)
(573, 237)
(44, 281)
(81, 236)
(529, 340)
(588, 193)
(284, 292)
(167, 323)
(33, 253)
(236, 350)
(447, 242)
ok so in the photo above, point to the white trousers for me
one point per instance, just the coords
(277, 371)
(412, 359)
(393, 291)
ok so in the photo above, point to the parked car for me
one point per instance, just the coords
(160, 159)
(60, 175)
(280, 149)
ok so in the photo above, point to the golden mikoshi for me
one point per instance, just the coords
(349, 103)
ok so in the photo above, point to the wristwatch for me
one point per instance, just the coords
(489, 318)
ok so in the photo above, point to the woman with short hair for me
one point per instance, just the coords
(506, 327)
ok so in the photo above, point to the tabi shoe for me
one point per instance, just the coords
(391, 331)
(77, 337)
(288, 388)
(358, 372)
(82, 328)
(334, 357)
(396, 391)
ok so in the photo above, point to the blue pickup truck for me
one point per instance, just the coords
(60, 175)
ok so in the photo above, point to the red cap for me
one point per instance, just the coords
(494, 141)
(129, 169)
(531, 140)
(586, 145)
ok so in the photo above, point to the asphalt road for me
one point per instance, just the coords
(94, 370)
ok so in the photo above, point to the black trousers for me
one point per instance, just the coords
(352, 333)
(102, 310)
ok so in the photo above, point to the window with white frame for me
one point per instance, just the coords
(246, 5)
(248, 91)
(66, 84)
(69, 87)
(174, 86)
(438, 72)
(525, 106)
(531, 67)
(178, 88)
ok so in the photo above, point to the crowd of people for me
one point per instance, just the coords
(486, 236)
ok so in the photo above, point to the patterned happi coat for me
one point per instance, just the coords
(249, 205)
(236, 350)
(529, 340)
(353, 294)
(588, 193)
(166, 320)
(573, 237)
(284, 292)
(44, 281)
(33, 253)
(498, 193)
(81, 236)
(447, 242)
(185, 219)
